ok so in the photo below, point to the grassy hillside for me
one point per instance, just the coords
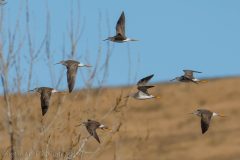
(158, 129)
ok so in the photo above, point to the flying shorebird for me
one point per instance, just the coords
(120, 31)
(188, 77)
(2, 2)
(72, 67)
(92, 126)
(45, 93)
(206, 116)
(142, 93)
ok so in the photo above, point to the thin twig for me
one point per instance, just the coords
(9, 114)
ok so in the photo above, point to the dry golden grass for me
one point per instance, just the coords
(154, 129)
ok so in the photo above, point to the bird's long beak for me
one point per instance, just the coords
(173, 79)
(190, 113)
(81, 124)
(57, 63)
(106, 39)
(31, 90)
(157, 97)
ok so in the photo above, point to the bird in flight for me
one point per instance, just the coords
(120, 31)
(92, 126)
(72, 67)
(188, 77)
(205, 116)
(142, 87)
(3, 2)
(45, 93)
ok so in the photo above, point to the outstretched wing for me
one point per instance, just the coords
(144, 80)
(120, 27)
(189, 73)
(71, 76)
(96, 136)
(3, 2)
(143, 94)
(205, 122)
(144, 89)
(92, 132)
(45, 99)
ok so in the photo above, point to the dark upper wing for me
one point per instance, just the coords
(70, 62)
(188, 70)
(2, 2)
(144, 88)
(144, 80)
(45, 99)
(92, 132)
(71, 76)
(96, 136)
(120, 27)
(205, 122)
(189, 73)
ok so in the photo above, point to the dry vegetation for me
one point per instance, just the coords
(151, 129)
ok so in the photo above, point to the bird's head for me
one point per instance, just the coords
(35, 90)
(197, 112)
(130, 95)
(176, 78)
(109, 39)
(63, 63)
(82, 124)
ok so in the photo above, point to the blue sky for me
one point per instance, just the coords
(174, 35)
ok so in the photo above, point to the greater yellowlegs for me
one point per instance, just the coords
(120, 31)
(45, 93)
(2, 2)
(206, 116)
(92, 126)
(72, 67)
(142, 93)
(188, 77)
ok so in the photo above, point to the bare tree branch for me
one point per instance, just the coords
(9, 114)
